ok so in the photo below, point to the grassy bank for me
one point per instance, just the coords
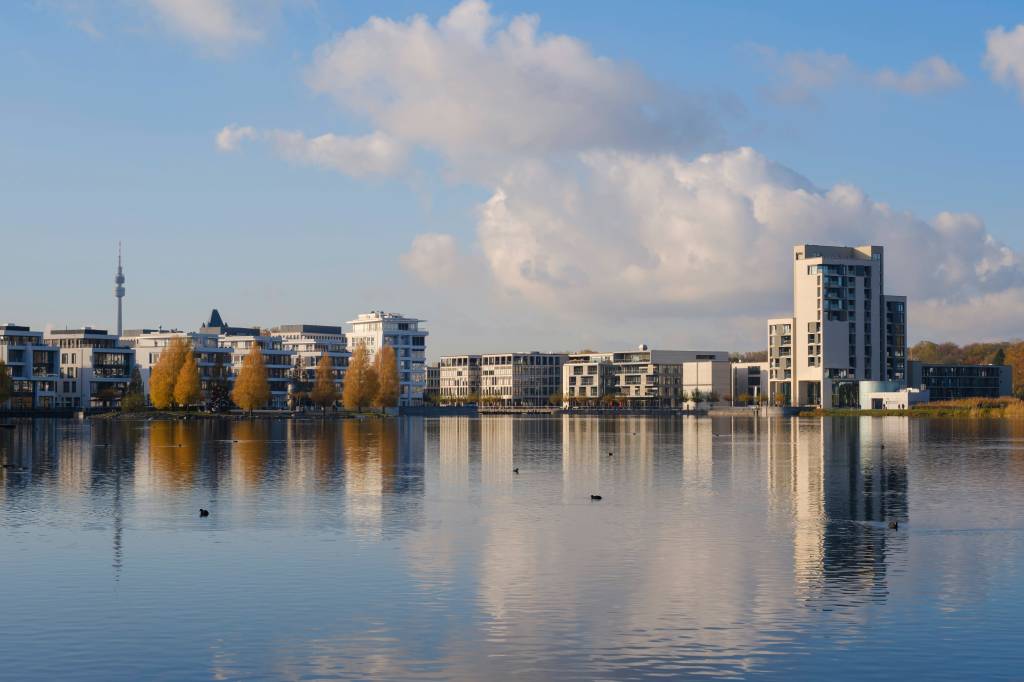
(972, 408)
(146, 415)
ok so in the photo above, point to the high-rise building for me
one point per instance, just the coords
(844, 328)
(376, 329)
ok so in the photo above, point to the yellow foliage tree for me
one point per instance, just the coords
(387, 378)
(360, 381)
(186, 387)
(252, 389)
(165, 373)
(324, 392)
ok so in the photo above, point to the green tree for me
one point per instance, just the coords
(187, 388)
(999, 358)
(6, 383)
(324, 392)
(386, 371)
(252, 389)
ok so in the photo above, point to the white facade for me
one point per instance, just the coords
(309, 343)
(459, 378)
(377, 329)
(95, 367)
(276, 357)
(521, 379)
(33, 365)
(645, 378)
(844, 329)
(214, 361)
(749, 382)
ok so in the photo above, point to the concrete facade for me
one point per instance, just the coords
(521, 379)
(459, 379)
(309, 343)
(750, 381)
(377, 329)
(34, 367)
(95, 367)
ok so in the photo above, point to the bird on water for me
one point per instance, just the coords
(595, 497)
(516, 470)
(894, 525)
(204, 512)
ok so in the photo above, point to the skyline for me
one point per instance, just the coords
(544, 183)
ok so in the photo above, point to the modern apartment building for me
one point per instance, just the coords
(645, 378)
(459, 378)
(521, 379)
(276, 358)
(33, 365)
(377, 329)
(953, 382)
(749, 382)
(432, 387)
(95, 367)
(214, 361)
(309, 343)
(844, 328)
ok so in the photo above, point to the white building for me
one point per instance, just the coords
(890, 395)
(521, 379)
(309, 343)
(459, 378)
(377, 329)
(95, 367)
(645, 378)
(213, 360)
(844, 328)
(33, 365)
(749, 382)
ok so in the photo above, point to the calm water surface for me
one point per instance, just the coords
(409, 549)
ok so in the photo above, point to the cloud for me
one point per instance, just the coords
(373, 154)
(217, 25)
(799, 76)
(638, 235)
(230, 137)
(1004, 56)
(928, 75)
(471, 87)
(434, 259)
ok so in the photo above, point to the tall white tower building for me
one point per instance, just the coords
(119, 290)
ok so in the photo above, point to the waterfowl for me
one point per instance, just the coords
(516, 470)
(203, 512)
(893, 525)
(610, 454)
(595, 497)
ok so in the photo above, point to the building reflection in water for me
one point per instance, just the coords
(843, 480)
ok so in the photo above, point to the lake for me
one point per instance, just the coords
(410, 549)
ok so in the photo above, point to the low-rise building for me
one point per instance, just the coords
(376, 329)
(749, 382)
(953, 382)
(95, 367)
(459, 379)
(432, 388)
(34, 366)
(645, 378)
(213, 360)
(890, 395)
(521, 379)
(309, 343)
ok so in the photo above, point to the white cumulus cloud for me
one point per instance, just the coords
(1004, 56)
(356, 155)
(928, 75)
(434, 259)
(471, 86)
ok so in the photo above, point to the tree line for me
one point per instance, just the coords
(992, 353)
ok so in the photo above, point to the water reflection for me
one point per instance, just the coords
(409, 548)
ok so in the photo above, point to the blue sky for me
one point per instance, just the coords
(111, 113)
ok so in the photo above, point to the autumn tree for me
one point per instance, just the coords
(252, 389)
(6, 383)
(360, 381)
(324, 392)
(186, 387)
(165, 373)
(134, 398)
(386, 370)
